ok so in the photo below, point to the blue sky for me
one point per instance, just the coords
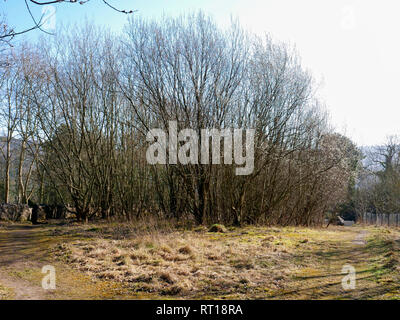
(351, 46)
(96, 11)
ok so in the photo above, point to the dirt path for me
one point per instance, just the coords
(13, 258)
(24, 250)
(360, 238)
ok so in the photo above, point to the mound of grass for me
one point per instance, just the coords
(218, 228)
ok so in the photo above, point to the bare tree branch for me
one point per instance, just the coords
(8, 34)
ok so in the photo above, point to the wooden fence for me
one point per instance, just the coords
(382, 219)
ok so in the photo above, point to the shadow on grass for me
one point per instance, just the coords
(378, 276)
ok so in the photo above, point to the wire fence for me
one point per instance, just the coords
(381, 219)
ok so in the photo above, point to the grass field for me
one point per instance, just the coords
(118, 261)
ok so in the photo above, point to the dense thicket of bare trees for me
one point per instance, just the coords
(80, 105)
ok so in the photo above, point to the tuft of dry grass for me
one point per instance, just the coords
(6, 293)
(186, 250)
(167, 277)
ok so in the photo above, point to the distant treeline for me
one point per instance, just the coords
(378, 187)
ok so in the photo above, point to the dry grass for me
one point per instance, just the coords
(187, 263)
(246, 263)
(5, 293)
(159, 260)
